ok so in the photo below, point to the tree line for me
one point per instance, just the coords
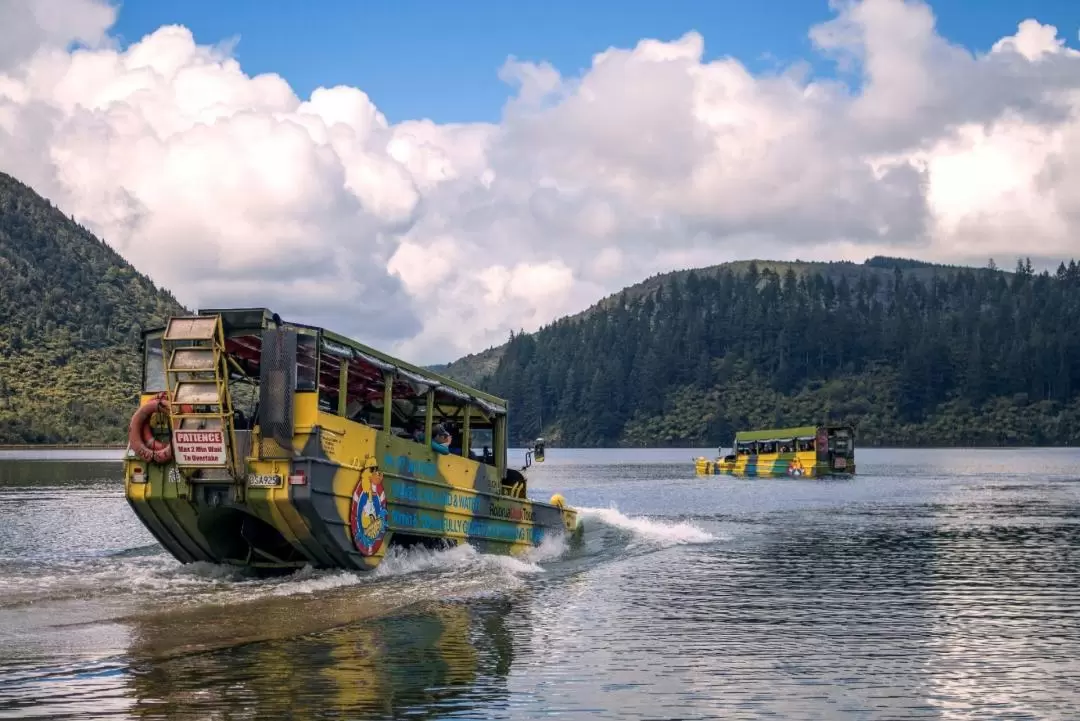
(906, 351)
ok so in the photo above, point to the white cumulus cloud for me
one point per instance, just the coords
(434, 240)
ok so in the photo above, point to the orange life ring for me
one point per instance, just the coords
(141, 438)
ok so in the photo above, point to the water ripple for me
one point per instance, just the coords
(925, 588)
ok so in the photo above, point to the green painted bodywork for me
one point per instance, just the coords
(776, 434)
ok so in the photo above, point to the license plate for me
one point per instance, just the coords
(841, 463)
(264, 481)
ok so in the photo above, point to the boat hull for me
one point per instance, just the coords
(783, 465)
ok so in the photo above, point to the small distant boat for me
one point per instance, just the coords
(807, 451)
(275, 445)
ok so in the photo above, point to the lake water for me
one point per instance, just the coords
(936, 584)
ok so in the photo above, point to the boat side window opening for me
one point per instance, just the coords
(352, 388)
(744, 449)
(329, 383)
(243, 355)
(408, 409)
(243, 390)
(455, 442)
(449, 412)
(153, 364)
(768, 447)
(805, 444)
(839, 442)
(307, 352)
(481, 442)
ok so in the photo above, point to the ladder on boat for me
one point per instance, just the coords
(200, 408)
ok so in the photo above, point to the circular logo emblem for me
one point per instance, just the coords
(795, 468)
(367, 513)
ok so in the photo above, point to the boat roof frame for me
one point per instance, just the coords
(776, 434)
(269, 319)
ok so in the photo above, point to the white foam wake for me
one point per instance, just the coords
(551, 548)
(399, 563)
(662, 533)
(462, 557)
(457, 559)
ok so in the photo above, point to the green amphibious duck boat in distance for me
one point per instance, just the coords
(809, 451)
(269, 444)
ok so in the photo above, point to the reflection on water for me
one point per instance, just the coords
(934, 585)
(443, 658)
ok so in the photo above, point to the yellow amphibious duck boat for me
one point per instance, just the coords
(808, 451)
(276, 445)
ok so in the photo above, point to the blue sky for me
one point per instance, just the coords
(440, 60)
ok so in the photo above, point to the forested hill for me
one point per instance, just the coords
(912, 353)
(71, 310)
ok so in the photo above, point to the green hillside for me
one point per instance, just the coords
(71, 310)
(473, 369)
(912, 353)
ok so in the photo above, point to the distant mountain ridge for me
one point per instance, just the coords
(71, 311)
(477, 368)
(912, 353)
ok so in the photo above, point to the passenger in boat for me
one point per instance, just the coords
(440, 440)
(455, 448)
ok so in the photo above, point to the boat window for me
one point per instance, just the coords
(329, 382)
(362, 387)
(449, 408)
(499, 443)
(307, 352)
(363, 396)
(153, 365)
(244, 378)
(482, 444)
(840, 442)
